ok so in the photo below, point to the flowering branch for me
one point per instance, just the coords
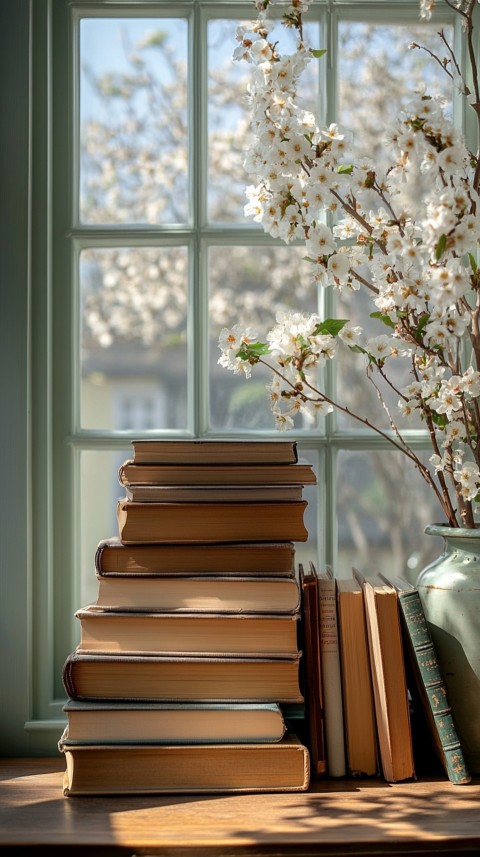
(411, 244)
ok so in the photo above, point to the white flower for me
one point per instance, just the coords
(350, 334)
(469, 478)
(380, 347)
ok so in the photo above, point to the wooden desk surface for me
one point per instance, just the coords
(344, 817)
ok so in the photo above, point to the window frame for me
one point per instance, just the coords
(55, 439)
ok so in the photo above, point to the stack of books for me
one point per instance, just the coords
(192, 646)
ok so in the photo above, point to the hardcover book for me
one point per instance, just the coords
(138, 768)
(172, 722)
(160, 679)
(212, 493)
(388, 678)
(211, 522)
(244, 558)
(208, 451)
(208, 593)
(300, 473)
(105, 631)
(429, 680)
(311, 661)
(358, 704)
(331, 673)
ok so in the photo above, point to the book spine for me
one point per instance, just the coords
(67, 676)
(434, 685)
(331, 678)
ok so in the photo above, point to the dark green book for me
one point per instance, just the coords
(430, 682)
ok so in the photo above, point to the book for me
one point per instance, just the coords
(159, 679)
(388, 678)
(430, 683)
(358, 704)
(138, 768)
(210, 451)
(300, 473)
(312, 683)
(331, 673)
(210, 522)
(104, 631)
(113, 558)
(210, 593)
(212, 493)
(172, 723)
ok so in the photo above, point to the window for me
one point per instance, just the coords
(141, 254)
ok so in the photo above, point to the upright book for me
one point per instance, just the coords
(311, 662)
(172, 722)
(211, 522)
(141, 769)
(331, 673)
(388, 678)
(163, 678)
(299, 473)
(206, 451)
(207, 593)
(112, 558)
(358, 704)
(429, 680)
(109, 631)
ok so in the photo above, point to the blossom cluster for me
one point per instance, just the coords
(415, 252)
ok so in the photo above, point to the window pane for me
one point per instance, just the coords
(133, 117)
(229, 115)
(100, 491)
(134, 338)
(378, 73)
(248, 285)
(377, 70)
(383, 507)
(308, 551)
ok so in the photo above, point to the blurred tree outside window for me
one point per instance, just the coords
(163, 256)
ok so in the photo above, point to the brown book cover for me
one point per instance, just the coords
(211, 451)
(140, 768)
(312, 681)
(159, 679)
(300, 473)
(244, 558)
(389, 682)
(105, 631)
(207, 593)
(358, 704)
(210, 522)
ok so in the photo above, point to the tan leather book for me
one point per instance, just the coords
(108, 631)
(156, 679)
(224, 768)
(159, 523)
(387, 667)
(243, 558)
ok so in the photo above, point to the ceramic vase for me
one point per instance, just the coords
(449, 589)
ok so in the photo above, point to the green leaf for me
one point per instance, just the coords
(439, 419)
(308, 259)
(440, 248)
(357, 349)
(473, 264)
(345, 169)
(331, 325)
(422, 323)
(381, 317)
(319, 53)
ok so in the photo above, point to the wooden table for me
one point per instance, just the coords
(344, 817)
